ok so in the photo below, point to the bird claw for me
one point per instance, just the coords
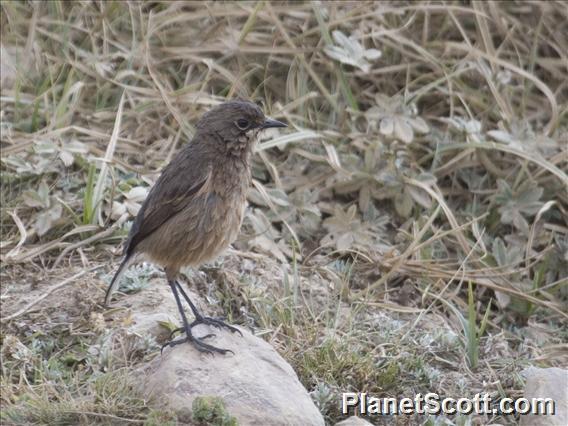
(174, 331)
(217, 323)
(198, 343)
(180, 329)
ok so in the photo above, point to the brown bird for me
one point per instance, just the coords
(195, 209)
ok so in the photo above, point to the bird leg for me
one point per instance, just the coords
(200, 319)
(189, 337)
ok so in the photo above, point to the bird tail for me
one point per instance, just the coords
(116, 279)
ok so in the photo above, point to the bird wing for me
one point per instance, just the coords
(178, 185)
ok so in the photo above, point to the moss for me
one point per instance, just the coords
(211, 410)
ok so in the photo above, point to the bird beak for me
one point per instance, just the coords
(269, 122)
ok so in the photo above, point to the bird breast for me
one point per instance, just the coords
(202, 230)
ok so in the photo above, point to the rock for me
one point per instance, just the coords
(255, 386)
(151, 306)
(354, 421)
(547, 383)
(255, 383)
(150, 324)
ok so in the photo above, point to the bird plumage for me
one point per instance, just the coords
(195, 209)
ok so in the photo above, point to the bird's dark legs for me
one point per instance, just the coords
(196, 313)
(197, 342)
(200, 319)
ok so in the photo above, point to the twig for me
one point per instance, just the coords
(106, 233)
(23, 235)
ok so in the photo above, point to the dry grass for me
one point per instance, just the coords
(424, 189)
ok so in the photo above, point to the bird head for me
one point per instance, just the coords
(236, 123)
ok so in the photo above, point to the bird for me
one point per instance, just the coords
(195, 209)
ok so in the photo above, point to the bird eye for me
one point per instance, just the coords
(242, 123)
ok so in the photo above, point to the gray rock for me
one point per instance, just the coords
(354, 421)
(151, 306)
(547, 383)
(149, 324)
(256, 384)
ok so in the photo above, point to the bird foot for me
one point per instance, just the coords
(215, 322)
(197, 342)
(199, 319)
